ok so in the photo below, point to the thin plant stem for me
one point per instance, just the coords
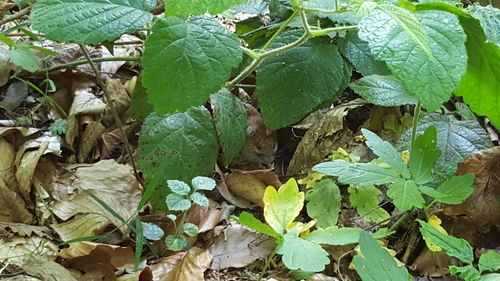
(416, 117)
(266, 265)
(118, 122)
(16, 16)
(80, 62)
(280, 29)
(47, 97)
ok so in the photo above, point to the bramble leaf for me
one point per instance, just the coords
(452, 246)
(362, 174)
(423, 156)
(252, 222)
(230, 119)
(387, 152)
(185, 62)
(198, 7)
(405, 195)
(302, 254)
(429, 66)
(377, 264)
(89, 21)
(324, 203)
(314, 72)
(383, 90)
(283, 206)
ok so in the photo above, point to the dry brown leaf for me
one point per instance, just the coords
(233, 199)
(91, 133)
(17, 249)
(192, 266)
(119, 97)
(81, 226)
(206, 218)
(482, 208)
(430, 263)
(7, 174)
(321, 139)
(26, 168)
(26, 230)
(13, 206)
(165, 265)
(251, 185)
(237, 246)
(47, 270)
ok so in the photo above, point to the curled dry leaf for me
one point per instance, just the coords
(46, 269)
(14, 208)
(192, 266)
(17, 250)
(25, 230)
(237, 246)
(251, 185)
(119, 98)
(482, 208)
(26, 166)
(165, 265)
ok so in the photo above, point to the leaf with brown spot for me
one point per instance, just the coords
(193, 265)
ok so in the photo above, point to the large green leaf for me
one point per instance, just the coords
(178, 146)
(405, 195)
(294, 83)
(424, 155)
(452, 246)
(299, 253)
(376, 264)
(89, 21)
(489, 261)
(335, 236)
(383, 90)
(283, 206)
(387, 152)
(452, 191)
(324, 203)
(254, 223)
(358, 53)
(357, 173)
(428, 55)
(489, 18)
(185, 62)
(230, 119)
(481, 83)
(456, 139)
(198, 7)
(366, 201)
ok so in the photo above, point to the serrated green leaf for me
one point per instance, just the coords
(178, 146)
(283, 206)
(185, 62)
(479, 86)
(383, 90)
(89, 21)
(456, 139)
(363, 8)
(431, 73)
(151, 231)
(468, 272)
(199, 199)
(358, 53)
(198, 7)
(387, 152)
(365, 200)
(302, 254)
(456, 189)
(362, 174)
(230, 119)
(314, 73)
(203, 183)
(405, 195)
(25, 58)
(489, 261)
(190, 229)
(335, 236)
(324, 203)
(252, 222)
(423, 156)
(178, 187)
(376, 263)
(489, 18)
(452, 246)
(174, 243)
(251, 7)
(176, 202)
(140, 107)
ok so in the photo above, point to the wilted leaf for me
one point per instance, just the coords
(192, 266)
(237, 246)
(482, 208)
(251, 185)
(26, 168)
(46, 269)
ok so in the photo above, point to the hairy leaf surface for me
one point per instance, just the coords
(383, 90)
(198, 7)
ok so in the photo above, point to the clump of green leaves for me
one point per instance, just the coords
(59, 127)
(407, 182)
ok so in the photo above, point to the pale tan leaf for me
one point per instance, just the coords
(192, 266)
(13, 206)
(251, 185)
(27, 230)
(26, 169)
(165, 265)
(118, 95)
(91, 134)
(17, 249)
(46, 269)
(81, 226)
(7, 151)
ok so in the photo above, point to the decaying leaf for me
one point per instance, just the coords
(237, 246)
(46, 269)
(165, 265)
(251, 185)
(26, 230)
(192, 266)
(18, 249)
(14, 208)
(482, 208)
(119, 98)
(26, 168)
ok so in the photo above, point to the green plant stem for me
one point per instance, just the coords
(416, 117)
(16, 16)
(400, 221)
(326, 31)
(266, 265)
(112, 108)
(280, 29)
(47, 97)
(80, 62)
